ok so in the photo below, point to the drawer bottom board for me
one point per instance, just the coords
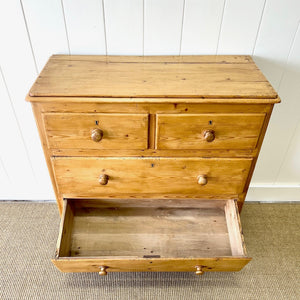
(147, 235)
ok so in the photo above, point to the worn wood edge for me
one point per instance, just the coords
(66, 237)
(61, 229)
(121, 264)
(46, 135)
(155, 196)
(60, 197)
(213, 99)
(261, 128)
(239, 59)
(254, 161)
(158, 158)
(234, 229)
(134, 258)
(151, 131)
(37, 78)
(152, 108)
(154, 203)
(248, 153)
(240, 228)
(42, 133)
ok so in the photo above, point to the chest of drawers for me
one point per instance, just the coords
(151, 158)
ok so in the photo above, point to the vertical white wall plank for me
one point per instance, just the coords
(201, 26)
(5, 186)
(275, 36)
(85, 26)
(287, 125)
(19, 72)
(124, 27)
(274, 53)
(239, 27)
(163, 24)
(290, 171)
(45, 21)
(14, 159)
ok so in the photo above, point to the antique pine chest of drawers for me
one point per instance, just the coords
(151, 158)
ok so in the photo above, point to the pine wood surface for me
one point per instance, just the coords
(59, 108)
(130, 176)
(161, 106)
(231, 131)
(93, 76)
(125, 264)
(73, 131)
(82, 100)
(41, 129)
(153, 109)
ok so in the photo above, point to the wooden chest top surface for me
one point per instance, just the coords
(202, 77)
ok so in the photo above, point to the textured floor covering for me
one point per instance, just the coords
(28, 233)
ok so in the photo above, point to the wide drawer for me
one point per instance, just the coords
(96, 131)
(150, 235)
(208, 131)
(111, 177)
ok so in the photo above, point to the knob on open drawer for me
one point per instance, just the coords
(103, 271)
(199, 270)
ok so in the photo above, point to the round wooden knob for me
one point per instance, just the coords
(202, 179)
(102, 270)
(103, 179)
(199, 270)
(97, 135)
(209, 135)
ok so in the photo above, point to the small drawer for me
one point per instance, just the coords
(150, 235)
(112, 177)
(208, 131)
(96, 131)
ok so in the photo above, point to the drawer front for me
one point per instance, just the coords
(208, 131)
(102, 177)
(96, 131)
(228, 264)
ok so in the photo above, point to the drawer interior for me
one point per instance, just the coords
(144, 229)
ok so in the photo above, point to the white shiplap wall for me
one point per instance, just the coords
(33, 30)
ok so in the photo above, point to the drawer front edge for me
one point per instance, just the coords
(218, 264)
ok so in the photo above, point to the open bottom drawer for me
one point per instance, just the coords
(150, 235)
